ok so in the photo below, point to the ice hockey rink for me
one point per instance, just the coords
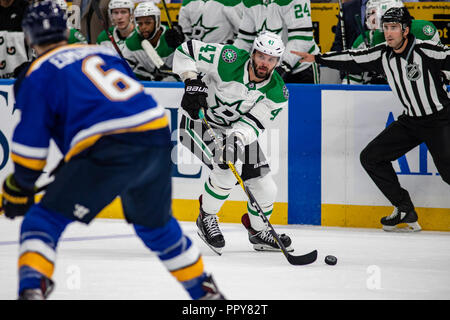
(106, 261)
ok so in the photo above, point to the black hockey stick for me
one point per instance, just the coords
(361, 29)
(344, 45)
(294, 260)
(169, 21)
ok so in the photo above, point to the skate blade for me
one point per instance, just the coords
(403, 227)
(216, 250)
(262, 247)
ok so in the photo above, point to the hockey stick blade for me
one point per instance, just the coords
(303, 259)
(294, 260)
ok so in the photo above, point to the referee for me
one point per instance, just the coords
(414, 71)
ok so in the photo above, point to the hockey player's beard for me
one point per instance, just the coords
(261, 72)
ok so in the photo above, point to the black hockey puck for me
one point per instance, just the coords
(331, 260)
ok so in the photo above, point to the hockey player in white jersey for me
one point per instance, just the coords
(292, 21)
(121, 15)
(241, 95)
(212, 20)
(75, 36)
(147, 18)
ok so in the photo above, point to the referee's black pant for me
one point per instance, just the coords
(397, 139)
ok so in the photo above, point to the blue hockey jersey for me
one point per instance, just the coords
(75, 94)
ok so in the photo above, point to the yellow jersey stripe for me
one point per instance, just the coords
(33, 164)
(40, 60)
(86, 143)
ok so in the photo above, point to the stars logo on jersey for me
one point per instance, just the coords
(227, 113)
(229, 55)
(265, 28)
(428, 30)
(199, 31)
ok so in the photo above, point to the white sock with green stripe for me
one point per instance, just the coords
(255, 221)
(264, 190)
(215, 194)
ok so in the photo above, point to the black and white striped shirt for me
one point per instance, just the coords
(415, 75)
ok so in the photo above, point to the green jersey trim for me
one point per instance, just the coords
(275, 89)
(232, 63)
(228, 3)
(252, 3)
(103, 36)
(76, 37)
(306, 38)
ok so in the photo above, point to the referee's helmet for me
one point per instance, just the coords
(399, 15)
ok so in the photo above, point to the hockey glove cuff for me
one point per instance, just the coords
(15, 200)
(194, 98)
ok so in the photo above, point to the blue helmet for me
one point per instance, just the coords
(44, 22)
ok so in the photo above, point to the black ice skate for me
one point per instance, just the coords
(391, 223)
(209, 232)
(263, 240)
(212, 292)
(41, 293)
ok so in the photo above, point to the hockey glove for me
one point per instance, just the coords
(174, 37)
(15, 200)
(283, 70)
(234, 149)
(194, 98)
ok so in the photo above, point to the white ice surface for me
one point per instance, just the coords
(105, 260)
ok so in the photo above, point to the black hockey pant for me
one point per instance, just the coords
(397, 139)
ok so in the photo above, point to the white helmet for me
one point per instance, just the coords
(378, 8)
(119, 4)
(147, 9)
(62, 4)
(269, 43)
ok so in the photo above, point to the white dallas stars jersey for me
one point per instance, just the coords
(291, 19)
(234, 101)
(211, 20)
